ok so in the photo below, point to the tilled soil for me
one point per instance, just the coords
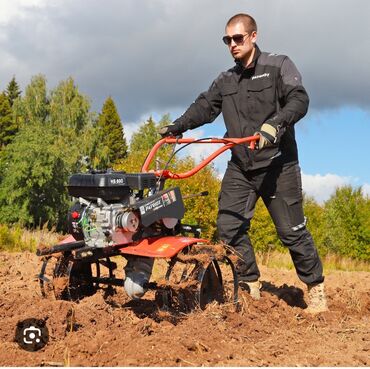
(107, 329)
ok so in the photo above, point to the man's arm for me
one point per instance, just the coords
(204, 109)
(292, 95)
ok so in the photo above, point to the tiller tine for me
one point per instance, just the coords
(194, 283)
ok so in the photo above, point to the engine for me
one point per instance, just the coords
(101, 224)
(117, 208)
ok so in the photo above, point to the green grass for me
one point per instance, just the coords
(280, 260)
(17, 239)
(337, 262)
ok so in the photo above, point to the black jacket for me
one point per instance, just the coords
(269, 90)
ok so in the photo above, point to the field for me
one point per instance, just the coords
(108, 329)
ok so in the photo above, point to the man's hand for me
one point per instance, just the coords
(268, 135)
(170, 130)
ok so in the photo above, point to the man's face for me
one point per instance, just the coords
(241, 51)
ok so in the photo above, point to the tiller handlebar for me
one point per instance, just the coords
(228, 144)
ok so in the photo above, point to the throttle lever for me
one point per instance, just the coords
(203, 193)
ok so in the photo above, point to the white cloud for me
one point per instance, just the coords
(200, 151)
(366, 189)
(321, 187)
(11, 9)
(130, 129)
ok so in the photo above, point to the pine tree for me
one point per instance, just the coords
(111, 145)
(8, 128)
(12, 91)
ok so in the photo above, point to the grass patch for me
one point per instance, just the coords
(281, 260)
(337, 262)
(275, 259)
(17, 239)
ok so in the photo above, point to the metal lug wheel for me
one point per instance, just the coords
(65, 278)
(197, 283)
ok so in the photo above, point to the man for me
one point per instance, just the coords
(262, 94)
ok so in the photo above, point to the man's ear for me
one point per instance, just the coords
(254, 37)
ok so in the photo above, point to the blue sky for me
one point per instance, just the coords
(336, 141)
(155, 56)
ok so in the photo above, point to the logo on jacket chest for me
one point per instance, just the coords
(261, 76)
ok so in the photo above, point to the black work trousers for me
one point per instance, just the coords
(281, 190)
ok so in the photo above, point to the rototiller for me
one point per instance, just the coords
(134, 216)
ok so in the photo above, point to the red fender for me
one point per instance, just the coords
(156, 247)
(161, 247)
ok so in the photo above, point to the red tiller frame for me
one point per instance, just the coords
(228, 144)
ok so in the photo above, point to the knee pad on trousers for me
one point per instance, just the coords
(291, 237)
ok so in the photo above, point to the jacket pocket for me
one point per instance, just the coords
(261, 99)
(259, 84)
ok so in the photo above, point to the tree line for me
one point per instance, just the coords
(46, 135)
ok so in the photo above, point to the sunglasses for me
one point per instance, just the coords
(238, 39)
